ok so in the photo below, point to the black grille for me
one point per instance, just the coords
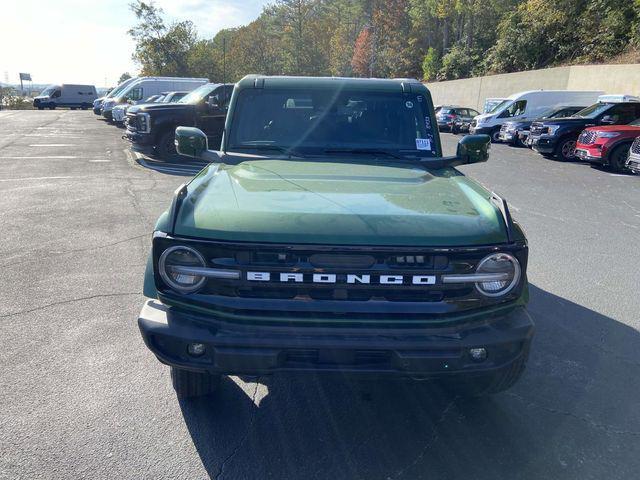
(537, 128)
(132, 122)
(587, 137)
(356, 300)
(635, 147)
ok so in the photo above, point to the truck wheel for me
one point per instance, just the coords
(566, 150)
(84, 107)
(188, 384)
(488, 384)
(52, 106)
(495, 135)
(166, 147)
(618, 158)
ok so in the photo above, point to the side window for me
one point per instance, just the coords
(473, 113)
(227, 95)
(135, 94)
(622, 114)
(516, 108)
(56, 94)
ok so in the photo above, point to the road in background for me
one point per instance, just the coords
(81, 396)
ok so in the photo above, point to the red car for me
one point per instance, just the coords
(607, 145)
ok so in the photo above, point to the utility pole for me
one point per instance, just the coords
(224, 60)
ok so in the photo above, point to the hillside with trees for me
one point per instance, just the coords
(427, 39)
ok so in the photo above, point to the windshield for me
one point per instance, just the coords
(323, 120)
(119, 88)
(198, 94)
(491, 106)
(593, 111)
(49, 90)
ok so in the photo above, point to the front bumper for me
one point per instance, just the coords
(586, 155)
(543, 143)
(480, 130)
(233, 348)
(508, 137)
(633, 163)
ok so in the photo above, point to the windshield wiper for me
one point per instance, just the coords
(365, 151)
(265, 148)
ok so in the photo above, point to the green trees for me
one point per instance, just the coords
(430, 39)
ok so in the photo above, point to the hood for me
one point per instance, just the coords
(617, 128)
(284, 201)
(41, 97)
(566, 121)
(161, 107)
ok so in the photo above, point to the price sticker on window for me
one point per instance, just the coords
(423, 144)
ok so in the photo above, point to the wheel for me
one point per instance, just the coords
(566, 149)
(479, 386)
(85, 107)
(518, 142)
(40, 108)
(618, 158)
(495, 135)
(72, 108)
(52, 107)
(188, 384)
(166, 146)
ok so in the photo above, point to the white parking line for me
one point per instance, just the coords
(53, 145)
(40, 158)
(36, 178)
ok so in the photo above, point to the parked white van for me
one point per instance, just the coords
(528, 106)
(144, 87)
(66, 95)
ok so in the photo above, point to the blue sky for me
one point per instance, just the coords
(77, 41)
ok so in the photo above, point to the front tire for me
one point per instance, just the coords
(188, 384)
(618, 158)
(495, 135)
(166, 146)
(566, 150)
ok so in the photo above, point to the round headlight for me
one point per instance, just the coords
(505, 269)
(178, 267)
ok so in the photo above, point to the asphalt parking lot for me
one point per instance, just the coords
(82, 397)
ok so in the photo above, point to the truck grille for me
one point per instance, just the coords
(587, 137)
(309, 299)
(635, 147)
(131, 122)
(537, 128)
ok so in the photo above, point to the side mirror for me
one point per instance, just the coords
(191, 142)
(473, 148)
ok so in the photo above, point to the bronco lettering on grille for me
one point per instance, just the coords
(320, 278)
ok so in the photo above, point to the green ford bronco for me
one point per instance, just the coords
(329, 234)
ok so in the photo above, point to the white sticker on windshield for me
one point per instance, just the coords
(423, 144)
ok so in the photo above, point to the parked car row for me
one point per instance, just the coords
(150, 108)
(559, 124)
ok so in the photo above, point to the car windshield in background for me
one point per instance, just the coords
(198, 94)
(593, 111)
(497, 106)
(447, 111)
(49, 90)
(321, 120)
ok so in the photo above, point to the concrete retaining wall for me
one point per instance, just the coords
(471, 92)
